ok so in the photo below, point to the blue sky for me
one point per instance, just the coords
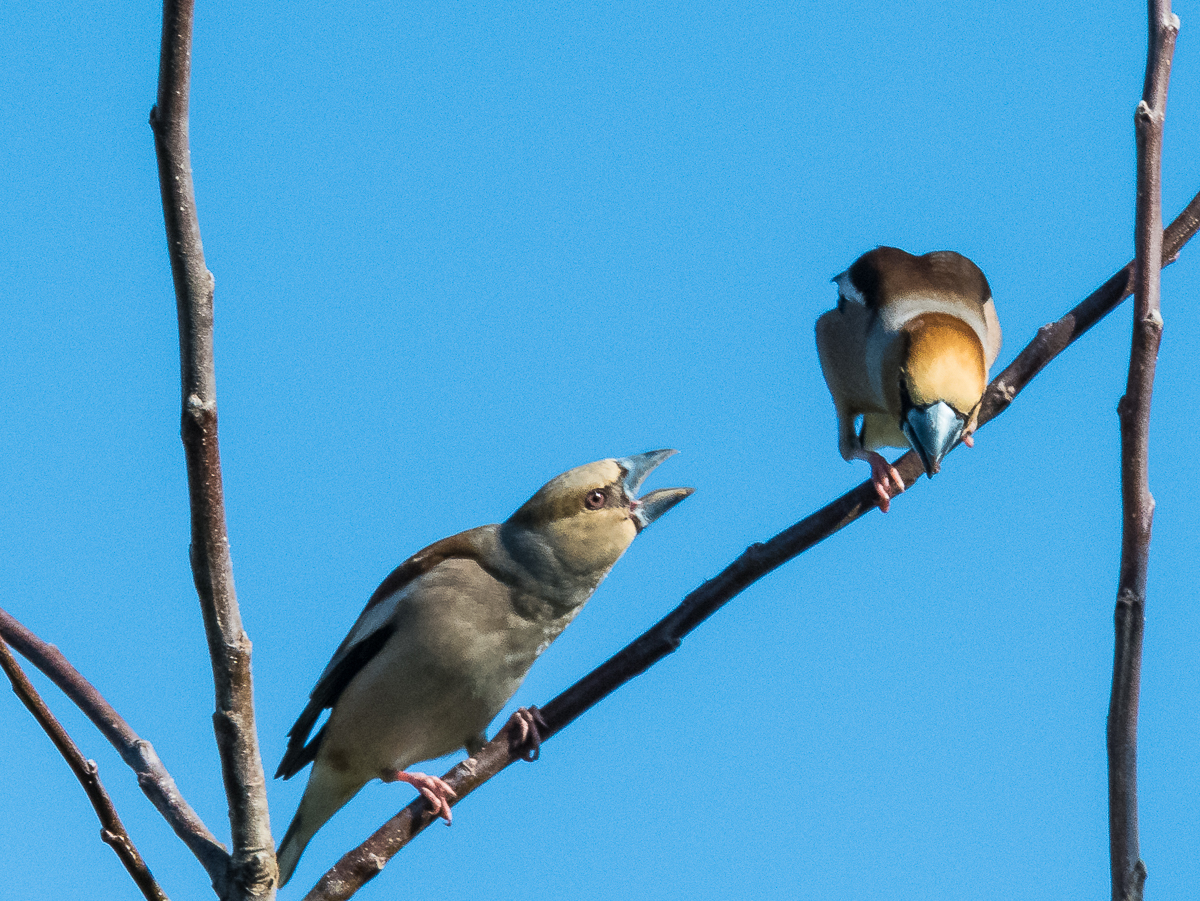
(459, 249)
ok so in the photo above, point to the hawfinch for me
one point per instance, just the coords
(448, 637)
(908, 349)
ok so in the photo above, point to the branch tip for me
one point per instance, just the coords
(212, 570)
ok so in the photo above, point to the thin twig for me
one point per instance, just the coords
(1128, 870)
(153, 779)
(112, 830)
(365, 862)
(252, 868)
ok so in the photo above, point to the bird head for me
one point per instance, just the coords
(942, 379)
(589, 515)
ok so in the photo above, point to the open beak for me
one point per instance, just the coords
(649, 508)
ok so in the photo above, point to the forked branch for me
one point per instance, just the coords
(365, 862)
(250, 871)
(252, 867)
(112, 830)
(139, 755)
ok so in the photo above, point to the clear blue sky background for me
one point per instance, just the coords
(459, 249)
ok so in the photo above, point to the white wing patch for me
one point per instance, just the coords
(847, 289)
(369, 621)
(992, 345)
(902, 309)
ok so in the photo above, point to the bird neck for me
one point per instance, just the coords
(539, 570)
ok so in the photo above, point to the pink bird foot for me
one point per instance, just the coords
(436, 791)
(527, 723)
(883, 475)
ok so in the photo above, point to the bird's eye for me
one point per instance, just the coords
(595, 499)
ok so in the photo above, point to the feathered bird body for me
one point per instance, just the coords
(449, 636)
(908, 349)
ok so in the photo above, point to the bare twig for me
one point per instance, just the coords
(252, 869)
(1128, 870)
(152, 776)
(112, 830)
(364, 862)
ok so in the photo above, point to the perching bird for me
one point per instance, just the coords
(908, 349)
(448, 637)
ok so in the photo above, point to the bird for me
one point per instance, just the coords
(908, 348)
(450, 634)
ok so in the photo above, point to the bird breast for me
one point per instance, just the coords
(459, 651)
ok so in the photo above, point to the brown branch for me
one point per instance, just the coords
(112, 830)
(1128, 870)
(252, 867)
(364, 862)
(153, 779)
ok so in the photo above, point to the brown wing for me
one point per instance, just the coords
(328, 689)
(369, 634)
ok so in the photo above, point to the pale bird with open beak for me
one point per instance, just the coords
(908, 349)
(448, 637)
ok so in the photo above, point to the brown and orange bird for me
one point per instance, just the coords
(907, 348)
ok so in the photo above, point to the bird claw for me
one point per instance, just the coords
(883, 474)
(436, 791)
(526, 740)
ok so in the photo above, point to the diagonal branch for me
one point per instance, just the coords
(112, 830)
(364, 862)
(252, 867)
(152, 776)
(1128, 871)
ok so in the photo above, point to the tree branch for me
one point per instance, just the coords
(252, 868)
(1128, 871)
(153, 779)
(363, 863)
(112, 830)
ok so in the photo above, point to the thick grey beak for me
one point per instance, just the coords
(649, 508)
(932, 431)
(656, 503)
(639, 466)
